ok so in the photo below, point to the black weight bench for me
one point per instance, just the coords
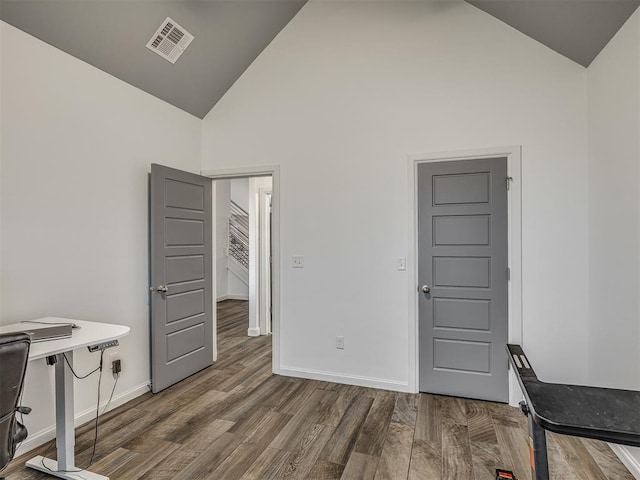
(607, 414)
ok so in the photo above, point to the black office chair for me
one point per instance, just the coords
(14, 353)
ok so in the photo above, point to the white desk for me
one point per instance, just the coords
(89, 333)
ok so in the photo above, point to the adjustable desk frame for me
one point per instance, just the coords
(607, 414)
(65, 466)
(89, 333)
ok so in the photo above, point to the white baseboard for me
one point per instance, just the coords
(36, 439)
(253, 332)
(627, 458)
(358, 380)
(232, 297)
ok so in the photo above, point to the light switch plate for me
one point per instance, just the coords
(297, 261)
(401, 263)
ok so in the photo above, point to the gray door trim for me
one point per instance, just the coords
(514, 199)
(274, 172)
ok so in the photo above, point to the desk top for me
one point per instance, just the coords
(608, 414)
(89, 333)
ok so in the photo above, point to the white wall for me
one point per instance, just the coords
(338, 100)
(236, 288)
(614, 213)
(240, 192)
(77, 145)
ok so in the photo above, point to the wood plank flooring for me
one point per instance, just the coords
(235, 420)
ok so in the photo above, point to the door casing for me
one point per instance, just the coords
(514, 229)
(264, 245)
(274, 172)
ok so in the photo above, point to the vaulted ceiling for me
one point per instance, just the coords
(230, 34)
(577, 29)
(112, 34)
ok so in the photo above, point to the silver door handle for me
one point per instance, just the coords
(425, 289)
(160, 289)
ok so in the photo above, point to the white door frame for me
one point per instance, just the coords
(274, 172)
(264, 244)
(514, 229)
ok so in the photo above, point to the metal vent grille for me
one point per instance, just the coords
(170, 40)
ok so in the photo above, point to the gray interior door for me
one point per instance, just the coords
(181, 273)
(462, 266)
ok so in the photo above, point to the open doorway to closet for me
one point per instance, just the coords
(243, 252)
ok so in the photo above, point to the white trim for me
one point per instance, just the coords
(214, 272)
(629, 460)
(514, 197)
(253, 332)
(371, 382)
(241, 172)
(34, 440)
(232, 297)
(274, 171)
(264, 269)
(255, 255)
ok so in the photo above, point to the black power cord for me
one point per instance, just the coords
(95, 438)
(111, 396)
(79, 377)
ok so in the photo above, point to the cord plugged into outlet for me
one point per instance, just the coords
(116, 367)
(116, 364)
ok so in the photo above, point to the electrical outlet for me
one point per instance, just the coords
(340, 342)
(116, 367)
(297, 261)
(113, 357)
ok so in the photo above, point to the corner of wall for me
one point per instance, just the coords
(613, 101)
(637, 20)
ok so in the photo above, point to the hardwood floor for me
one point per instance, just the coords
(235, 420)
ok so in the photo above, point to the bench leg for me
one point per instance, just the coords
(538, 451)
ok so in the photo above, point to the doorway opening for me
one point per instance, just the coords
(260, 298)
(243, 247)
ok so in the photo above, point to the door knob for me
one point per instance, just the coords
(425, 289)
(160, 289)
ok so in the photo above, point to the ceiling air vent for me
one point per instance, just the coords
(170, 40)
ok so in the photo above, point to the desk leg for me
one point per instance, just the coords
(65, 430)
(538, 451)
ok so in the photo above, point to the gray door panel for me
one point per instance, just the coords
(461, 230)
(462, 242)
(181, 246)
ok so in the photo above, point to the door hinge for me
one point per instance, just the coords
(508, 182)
(508, 274)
